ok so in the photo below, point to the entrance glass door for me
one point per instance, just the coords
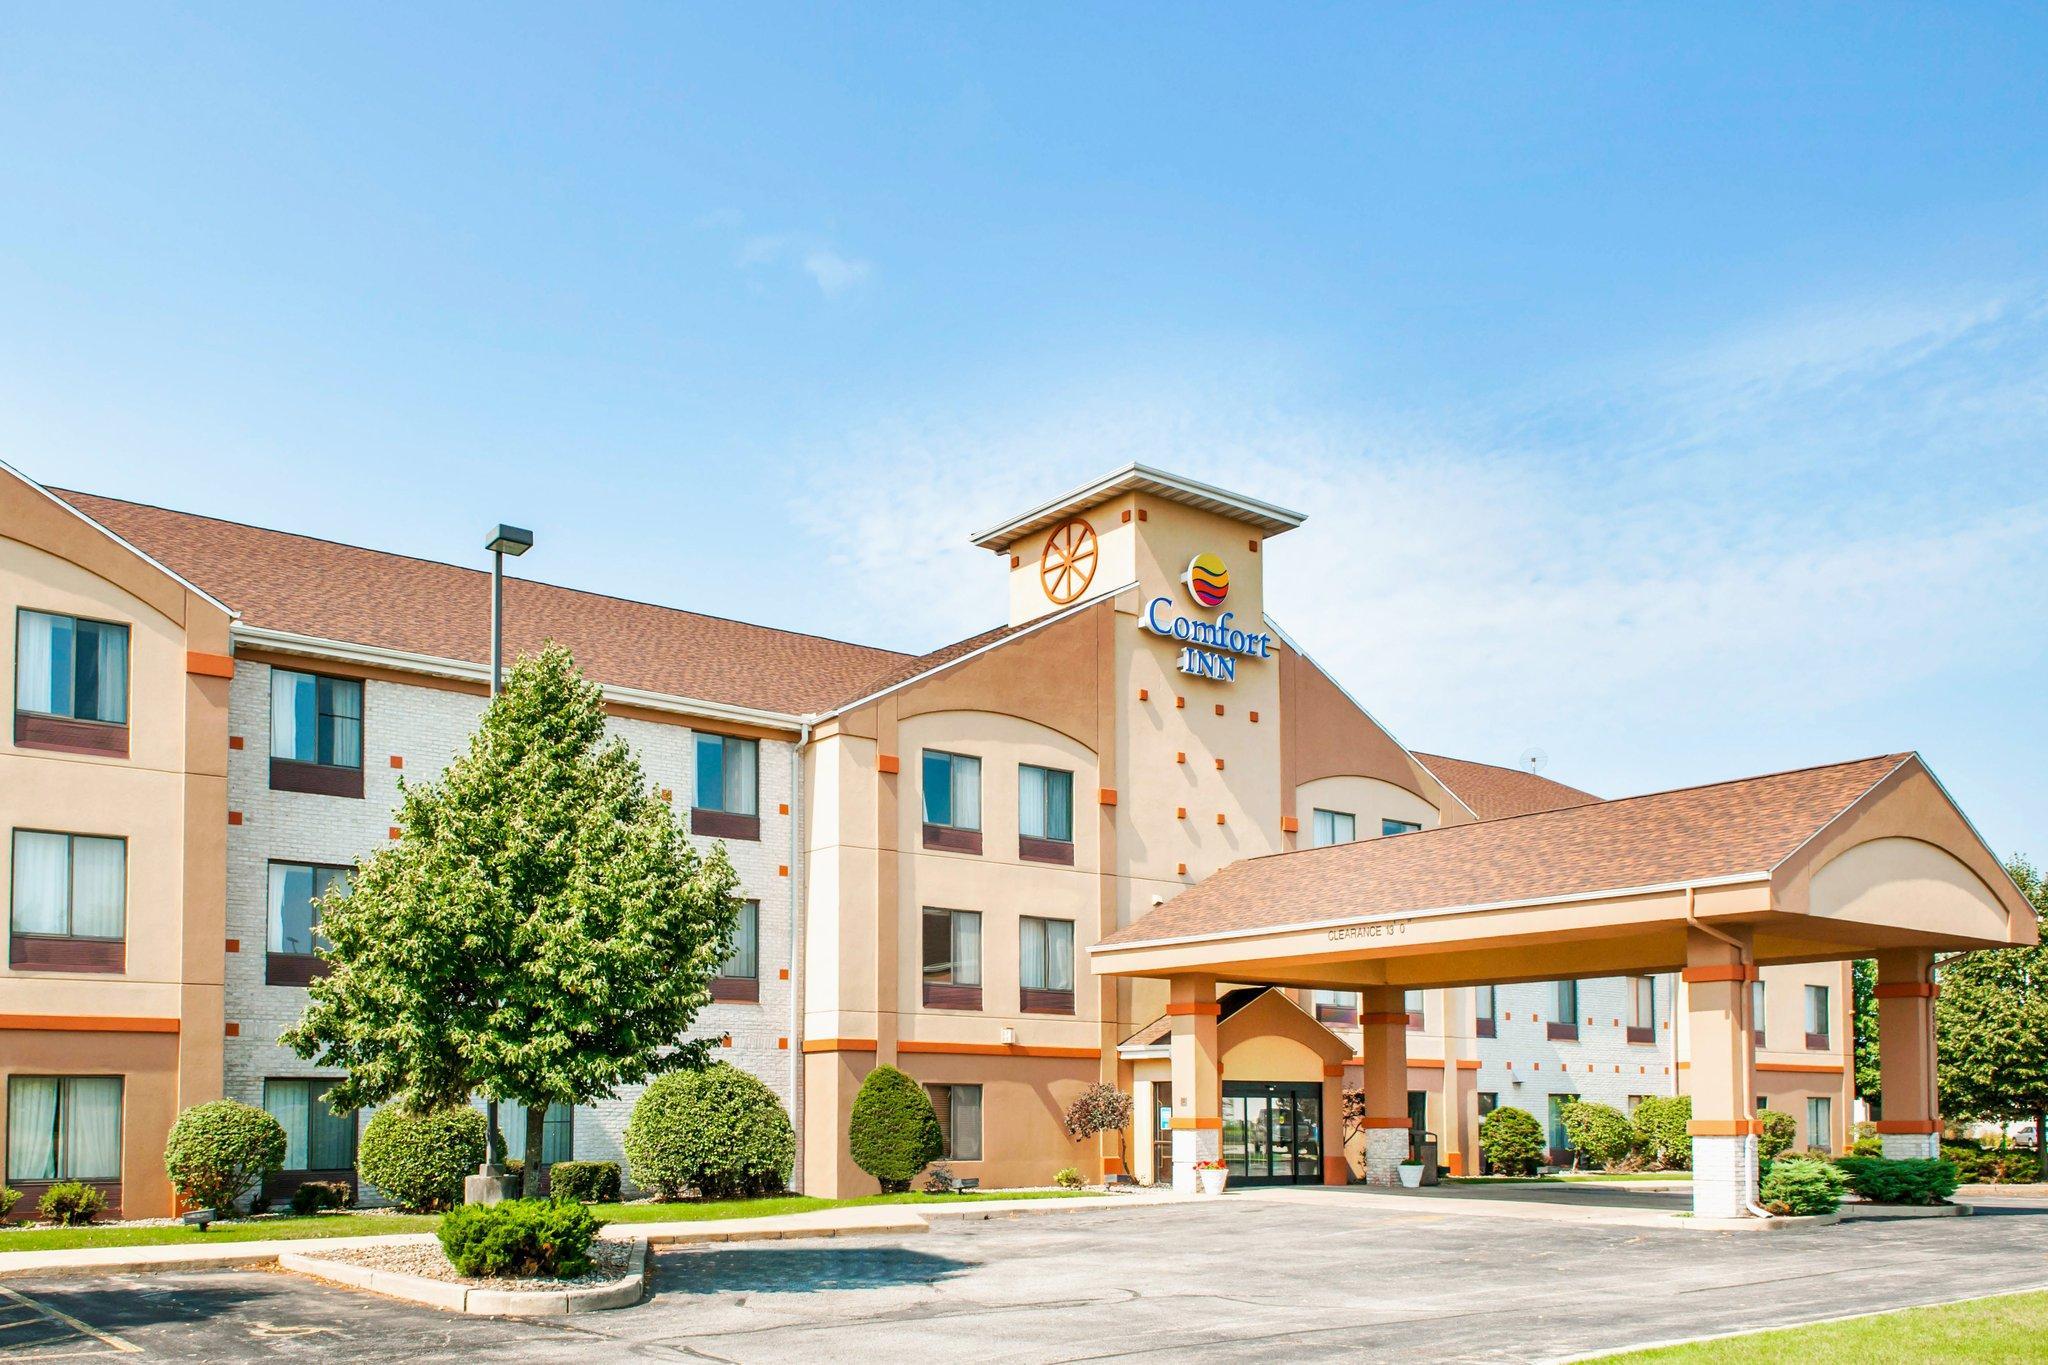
(1273, 1132)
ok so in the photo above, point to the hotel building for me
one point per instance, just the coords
(210, 721)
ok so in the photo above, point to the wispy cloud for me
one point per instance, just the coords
(834, 272)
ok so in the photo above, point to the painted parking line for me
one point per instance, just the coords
(33, 1330)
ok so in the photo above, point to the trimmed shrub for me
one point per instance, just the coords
(1660, 1130)
(1799, 1187)
(71, 1203)
(1919, 1181)
(2007, 1167)
(1511, 1140)
(1779, 1131)
(420, 1160)
(522, 1237)
(718, 1131)
(1870, 1145)
(1067, 1179)
(318, 1196)
(9, 1197)
(894, 1132)
(1600, 1133)
(586, 1182)
(219, 1150)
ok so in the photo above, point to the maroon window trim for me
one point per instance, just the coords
(1818, 1041)
(319, 779)
(68, 736)
(724, 824)
(1560, 1032)
(63, 953)
(1346, 1015)
(736, 989)
(1415, 1019)
(944, 995)
(293, 969)
(1486, 1027)
(1638, 1034)
(1040, 1002)
(1059, 851)
(952, 840)
(32, 1192)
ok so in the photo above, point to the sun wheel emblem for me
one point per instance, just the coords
(1068, 564)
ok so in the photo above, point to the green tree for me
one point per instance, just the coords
(1863, 1020)
(1991, 1025)
(542, 931)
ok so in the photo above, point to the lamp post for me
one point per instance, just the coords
(515, 541)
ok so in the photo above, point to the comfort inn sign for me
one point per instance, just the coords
(1209, 649)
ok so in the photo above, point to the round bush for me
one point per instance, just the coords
(1660, 1130)
(521, 1237)
(1798, 1187)
(1779, 1131)
(718, 1131)
(586, 1182)
(1511, 1140)
(1600, 1133)
(419, 1160)
(219, 1150)
(71, 1203)
(894, 1132)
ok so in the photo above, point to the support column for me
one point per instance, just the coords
(1197, 1077)
(1722, 1078)
(1452, 1005)
(1383, 1022)
(1336, 1168)
(1911, 1126)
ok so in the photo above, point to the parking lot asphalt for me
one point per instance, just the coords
(1308, 1274)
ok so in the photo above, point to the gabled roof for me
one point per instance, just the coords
(1692, 836)
(1227, 1004)
(1265, 517)
(1494, 793)
(324, 590)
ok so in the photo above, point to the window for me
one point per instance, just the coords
(952, 801)
(1045, 814)
(1756, 1012)
(63, 1128)
(952, 959)
(739, 976)
(1820, 1122)
(1564, 1023)
(69, 903)
(1483, 1015)
(316, 1137)
(959, 1111)
(1333, 827)
(1397, 827)
(1045, 964)
(70, 684)
(1412, 1002)
(728, 800)
(557, 1131)
(1336, 1007)
(1642, 1009)
(1418, 1111)
(1560, 1141)
(1817, 1025)
(316, 734)
(296, 890)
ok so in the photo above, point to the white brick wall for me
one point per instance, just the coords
(426, 727)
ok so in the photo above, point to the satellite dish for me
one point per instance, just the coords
(1533, 760)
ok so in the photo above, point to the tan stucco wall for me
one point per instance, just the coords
(150, 1097)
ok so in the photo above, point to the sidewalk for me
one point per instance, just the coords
(864, 1221)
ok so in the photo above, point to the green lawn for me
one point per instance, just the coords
(2011, 1327)
(383, 1224)
(1580, 1178)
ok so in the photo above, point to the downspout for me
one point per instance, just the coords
(1744, 1020)
(796, 949)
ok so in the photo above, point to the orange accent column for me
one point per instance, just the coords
(1911, 1122)
(1722, 1077)
(1197, 1077)
(1383, 1031)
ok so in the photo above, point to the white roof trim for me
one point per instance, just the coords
(1434, 912)
(286, 642)
(1268, 517)
(1142, 1052)
(133, 549)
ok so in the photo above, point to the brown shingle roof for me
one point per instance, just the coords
(1494, 793)
(1227, 1004)
(1691, 835)
(340, 592)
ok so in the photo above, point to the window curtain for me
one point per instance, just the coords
(291, 908)
(742, 776)
(35, 667)
(1059, 955)
(1059, 806)
(966, 792)
(330, 1134)
(341, 708)
(966, 948)
(42, 883)
(99, 887)
(744, 961)
(1031, 802)
(100, 683)
(965, 1133)
(91, 1135)
(32, 1128)
(286, 724)
(1031, 954)
(1817, 1009)
(288, 1103)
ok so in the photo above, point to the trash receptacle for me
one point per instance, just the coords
(1422, 1148)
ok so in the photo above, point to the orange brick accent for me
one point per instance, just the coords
(398, 760)
(1907, 990)
(234, 817)
(1733, 971)
(1182, 868)
(1180, 756)
(782, 1044)
(1290, 825)
(234, 1030)
(1180, 812)
(1219, 708)
(1384, 1121)
(782, 808)
(1205, 1121)
(839, 1045)
(85, 1023)
(209, 665)
(1016, 561)
(1724, 1127)
(1106, 797)
(889, 763)
(1180, 703)
(1144, 694)
(1198, 1007)
(1336, 1070)
(1254, 546)
(1908, 1125)
(1219, 817)
(396, 833)
(1143, 515)
(782, 869)
(1255, 718)
(234, 945)
(782, 974)
(234, 741)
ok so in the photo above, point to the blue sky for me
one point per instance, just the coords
(1668, 390)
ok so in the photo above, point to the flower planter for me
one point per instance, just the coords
(1411, 1175)
(1213, 1181)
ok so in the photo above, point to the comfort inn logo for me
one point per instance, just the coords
(1207, 580)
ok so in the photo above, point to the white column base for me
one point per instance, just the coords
(1189, 1146)
(1385, 1150)
(1910, 1146)
(1723, 1176)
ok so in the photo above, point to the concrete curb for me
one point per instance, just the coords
(623, 1292)
(1861, 1210)
(1805, 1223)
